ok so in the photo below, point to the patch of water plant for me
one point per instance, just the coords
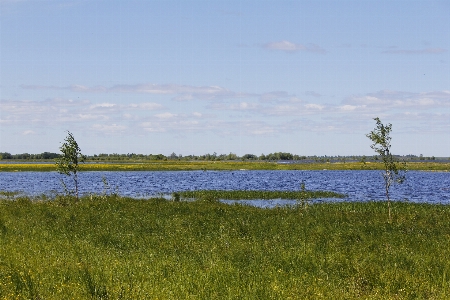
(9, 195)
(252, 195)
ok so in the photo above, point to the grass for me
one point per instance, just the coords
(249, 195)
(8, 194)
(220, 166)
(109, 247)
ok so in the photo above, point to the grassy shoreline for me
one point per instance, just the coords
(107, 247)
(219, 166)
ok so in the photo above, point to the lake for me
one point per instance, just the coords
(430, 187)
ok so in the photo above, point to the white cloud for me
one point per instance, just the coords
(123, 107)
(177, 123)
(108, 129)
(147, 106)
(285, 45)
(312, 93)
(246, 127)
(152, 128)
(292, 47)
(419, 51)
(184, 97)
(269, 113)
(316, 125)
(348, 108)
(295, 100)
(92, 117)
(273, 96)
(389, 100)
(58, 111)
(244, 105)
(314, 106)
(258, 128)
(166, 115)
(240, 106)
(28, 132)
(102, 105)
(185, 123)
(293, 109)
(180, 92)
(29, 106)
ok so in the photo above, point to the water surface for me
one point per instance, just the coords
(430, 187)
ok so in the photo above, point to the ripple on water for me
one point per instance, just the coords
(431, 187)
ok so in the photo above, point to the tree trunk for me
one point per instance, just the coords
(75, 179)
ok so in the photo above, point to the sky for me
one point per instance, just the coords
(197, 77)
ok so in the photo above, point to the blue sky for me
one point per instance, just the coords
(195, 77)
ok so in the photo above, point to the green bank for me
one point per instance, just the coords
(219, 166)
(108, 247)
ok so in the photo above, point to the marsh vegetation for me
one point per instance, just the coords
(249, 195)
(109, 247)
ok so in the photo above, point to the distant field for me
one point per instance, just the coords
(219, 165)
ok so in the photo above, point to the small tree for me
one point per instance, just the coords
(393, 172)
(67, 163)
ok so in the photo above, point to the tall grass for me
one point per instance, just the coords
(108, 247)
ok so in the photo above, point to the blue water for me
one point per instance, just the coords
(430, 187)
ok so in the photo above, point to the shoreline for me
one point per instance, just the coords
(217, 166)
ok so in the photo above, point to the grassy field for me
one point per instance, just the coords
(107, 247)
(219, 165)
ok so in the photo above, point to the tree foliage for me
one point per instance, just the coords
(68, 162)
(393, 171)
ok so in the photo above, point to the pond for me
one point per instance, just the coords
(430, 187)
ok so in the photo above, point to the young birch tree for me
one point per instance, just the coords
(67, 163)
(393, 172)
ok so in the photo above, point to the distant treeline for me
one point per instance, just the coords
(45, 155)
(277, 156)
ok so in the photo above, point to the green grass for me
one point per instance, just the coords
(8, 194)
(219, 166)
(249, 195)
(107, 247)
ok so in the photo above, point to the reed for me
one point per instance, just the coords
(265, 195)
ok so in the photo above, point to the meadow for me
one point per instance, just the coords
(219, 166)
(111, 247)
